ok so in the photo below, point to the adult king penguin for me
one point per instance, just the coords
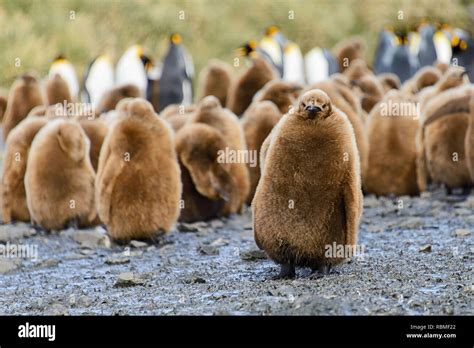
(98, 79)
(65, 69)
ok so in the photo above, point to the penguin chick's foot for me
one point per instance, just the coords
(323, 269)
(287, 271)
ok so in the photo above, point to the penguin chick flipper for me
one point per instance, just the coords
(112, 170)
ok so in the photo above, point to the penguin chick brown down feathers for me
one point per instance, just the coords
(257, 123)
(138, 185)
(210, 112)
(281, 93)
(18, 144)
(392, 128)
(24, 95)
(57, 90)
(248, 84)
(215, 79)
(309, 195)
(59, 177)
(207, 184)
(112, 97)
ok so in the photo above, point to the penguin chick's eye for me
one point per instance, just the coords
(303, 104)
(325, 106)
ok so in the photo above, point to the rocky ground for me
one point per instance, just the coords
(418, 260)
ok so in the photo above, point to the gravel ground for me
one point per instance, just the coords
(418, 260)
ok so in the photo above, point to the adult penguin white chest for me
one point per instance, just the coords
(98, 79)
(176, 75)
(65, 69)
(319, 65)
(442, 47)
(293, 67)
(131, 70)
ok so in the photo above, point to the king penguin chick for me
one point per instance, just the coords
(61, 66)
(348, 50)
(442, 139)
(389, 81)
(59, 178)
(110, 98)
(257, 123)
(3, 106)
(57, 90)
(309, 195)
(244, 88)
(24, 95)
(215, 79)
(281, 93)
(14, 207)
(392, 148)
(210, 112)
(207, 183)
(469, 142)
(138, 185)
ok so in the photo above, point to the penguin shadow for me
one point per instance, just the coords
(159, 240)
(305, 273)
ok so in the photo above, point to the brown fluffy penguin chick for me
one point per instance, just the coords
(59, 178)
(243, 88)
(3, 106)
(392, 128)
(309, 195)
(207, 184)
(469, 142)
(57, 90)
(337, 92)
(110, 99)
(454, 77)
(257, 122)
(177, 115)
(210, 112)
(215, 79)
(425, 77)
(24, 95)
(281, 93)
(96, 131)
(138, 184)
(389, 81)
(348, 50)
(370, 91)
(357, 70)
(14, 207)
(445, 124)
(442, 67)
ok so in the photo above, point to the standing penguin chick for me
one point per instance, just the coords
(24, 95)
(207, 183)
(215, 79)
(442, 139)
(257, 123)
(246, 85)
(57, 90)
(59, 177)
(348, 50)
(389, 81)
(392, 128)
(138, 185)
(18, 144)
(210, 112)
(309, 195)
(96, 130)
(281, 93)
(111, 98)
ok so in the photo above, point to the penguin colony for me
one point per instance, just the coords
(297, 138)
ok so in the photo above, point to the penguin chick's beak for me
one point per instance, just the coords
(465, 72)
(312, 110)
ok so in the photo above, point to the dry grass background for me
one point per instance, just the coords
(37, 30)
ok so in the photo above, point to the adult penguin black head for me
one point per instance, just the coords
(175, 84)
(248, 49)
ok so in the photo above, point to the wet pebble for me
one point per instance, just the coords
(208, 250)
(253, 254)
(128, 279)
